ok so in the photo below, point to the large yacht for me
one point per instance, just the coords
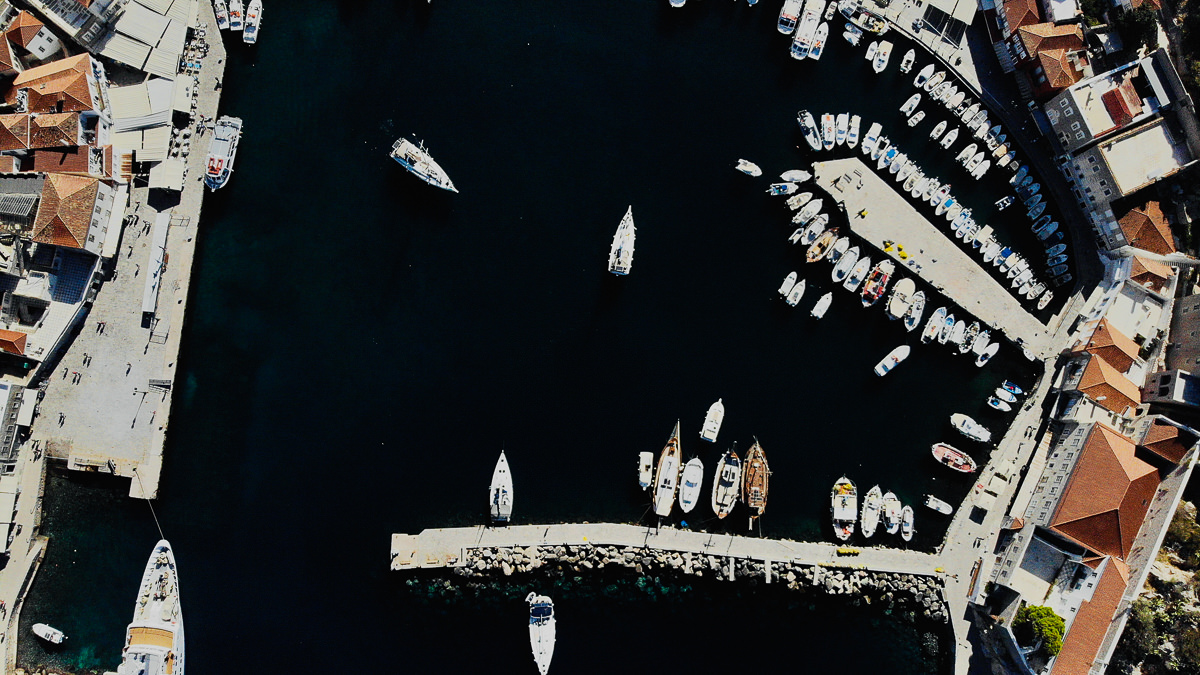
(620, 256)
(416, 159)
(154, 641)
(222, 151)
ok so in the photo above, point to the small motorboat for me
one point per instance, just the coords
(1055, 249)
(1056, 261)
(828, 131)
(1044, 233)
(796, 201)
(749, 168)
(891, 513)
(856, 276)
(872, 509)
(1036, 210)
(879, 64)
(949, 138)
(892, 360)
(776, 189)
(966, 154)
(818, 43)
(822, 305)
(912, 318)
(852, 135)
(1019, 176)
(871, 49)
(923, 76)
(796, 293)
(645, 469)
(853, 34)
(1045, 300)
(1004, 202)
(954, 458)
(839, 249)
(844, 507)
(968, 338)
(934, 326)
(795, 176)
(1012, 388)
(997, 403)
(880, 147)
(846, 263)
(907, 63)
(810, 210)
(938, 505)
(1005, 395)
(814, 229)
(712, 421)
(934, 81)
(938, 130)
(812, 135)
(1034, 292)
(689, 484)
(821, 245)
(970, 428)
(947, 328)
(842, 128)
(788, 282)
(911, 104)
(906, 523)
(916, 118)
(48, 633)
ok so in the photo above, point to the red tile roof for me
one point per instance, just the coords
(1107, 496)
(1111, 345)
(1105, 385)
(63, 82)
(62, 160)
(1085, 637)
(1166, 441)
(1047, 37)
(1146, 228)
(54, 130)
(13, 342)
(65, 211)
(14, 132)
(1150, 272)
(1020, 13)
(8, 60)
(23, 29)
(1060, 72)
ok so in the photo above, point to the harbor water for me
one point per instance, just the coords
(361, 346)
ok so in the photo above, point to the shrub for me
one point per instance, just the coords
(1045, 626)
(1093, 11)
(1138, 27)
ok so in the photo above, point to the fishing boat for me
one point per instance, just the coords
(912, 318)
(860, 16)
(934, 81)
(877, 282)
(852, 136)
(1012, 388)
(500, 492)
(253, 22)
(872, 137)
(938, 505)
(1043, 233)
(788, 283)
(838, 250)
(689, 484)
(541, 630)
(916, 118)
(237, 15)
(1004, 202)
(822, 305)
(847, 262)
(809, 126)
(222, 150)
(949, 138)
(828, 131)
(793, 298)
(818, 43)
(970, 428)
(1034, 201)
(891, 512)
(754, 481)
(923, 76)
(892, 360)
(880, 62)
(911, 104)
(1036, 211)
(806, 31)
(795, 176)
(666, 480)
(855, 279)
(674, 3)
(906, 523)
(822, 245)
(789, 15)
(872, 509)
(842, 128)
(620, 254)
(968, 338)
(154, 642)
(221, 9)
(1005, 395)
(713, 421)
(727, 482)
(747, 167)
(796, 201)
(645, 469)
(906, 64)
(1045, 300)
(933, 327)
(844, 507)
(954, 458)
(900, 298)
(853, 34)
(48, 633)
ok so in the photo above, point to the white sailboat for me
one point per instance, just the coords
(666, 480)
(541, 630)
(620, 255)
(727, 483)
(500, 493)
(689, 484)
(713, 420)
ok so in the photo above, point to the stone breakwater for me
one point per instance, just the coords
(919, 594)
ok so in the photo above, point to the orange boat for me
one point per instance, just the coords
(754, 481)
(954, 458)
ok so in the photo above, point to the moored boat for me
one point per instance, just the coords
(154, 641)
(892, 360)
(970, 428)
(968, 338)
(872, 509)
(253, 22)
(666, 480)
(934, 81)
(713, 421)
(916, 118)
(645, 469)
(828, 131)
(863, 18)
(795, 176)
(906, 523)
(727, 482)
(947, 328)
(689, 484)
(541, 630)
(48, 633)
(789, 15)
(996, 403)
(500, 492)
(912, 318)
(844, 507)
(620, 254)
(872, 137)
(788, 283)
(911, 104)
(822, 305)
(839, 249)
(796, 201)
(842, 127)
(923, 76)
(821, 245)
(954, 458)
(776, 189)
(907, 63)
(949, 138)
(818, 42)
(852, 135)
(891, 512)
(755, 477)
(934, 326)
(749, 168)
(900, 298)
(237, 15)
(857, 274)
(222, 151)
(808, 125)
(877, 282)
(221, 10)
(938, 505)
(1012, 388)
(880, 62)
(846, 263)
(797, 292)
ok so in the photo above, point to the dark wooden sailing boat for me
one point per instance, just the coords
(755, 475)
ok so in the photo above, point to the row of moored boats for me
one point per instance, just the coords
(238, 17)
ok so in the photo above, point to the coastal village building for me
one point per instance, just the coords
(1085, 538)
(28, 33)
(1146, 228)
(1183, 351)
(1176, 392)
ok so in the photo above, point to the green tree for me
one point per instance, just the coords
(1044, 624)
(1138, 27)
(1093, 11)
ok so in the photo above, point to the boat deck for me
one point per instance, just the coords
(934, 255)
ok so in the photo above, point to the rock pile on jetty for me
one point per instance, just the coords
(919, 594)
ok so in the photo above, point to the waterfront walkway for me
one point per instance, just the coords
(933, 255)
(447, 547)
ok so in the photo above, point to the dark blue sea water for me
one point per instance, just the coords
(360, 346)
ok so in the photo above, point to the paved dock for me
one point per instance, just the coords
(934, 254)
(107, 405)
(447, 547)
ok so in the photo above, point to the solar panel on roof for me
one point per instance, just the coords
(17, 205)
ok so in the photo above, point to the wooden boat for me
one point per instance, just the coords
(755, 478)
(727, 482)
(689, 484)
(954, 458)
(822, 245)
(844, 507)
(877, 282)
(666, 480)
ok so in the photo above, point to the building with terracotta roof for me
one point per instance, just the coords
(1049, 58)
(74, 212)
(1146, 227)
(31, 35)
(75, 84)
(1111, 344)
(1150, 273)
(82, 161)
(9, 63)
(56, 130)
(13, 342)
(14, 132)
(1010, 16)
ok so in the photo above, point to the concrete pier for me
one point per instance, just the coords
(934, 254)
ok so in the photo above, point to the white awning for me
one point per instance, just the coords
(112, 236)
(155, 144)
(141, 24)
(126, 50)
(168, 175)
(156, 6)
(163, 62)
(29, 402)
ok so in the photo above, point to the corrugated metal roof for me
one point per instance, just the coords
(157, 6)
(129, 101)
(174, 36)
(168, 175)
(162, 63)
(185, 11)
(127, 140)
(141, 106)
(141, 24)
(155, 143)
(125, 50)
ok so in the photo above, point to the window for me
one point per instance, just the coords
(1075, 126)
(1064, 103)
(1107, 192)
(1103, 183)
(1095, 169)
(1058, 479)
(1079, 135)
(1091, 160)
(1069, 111)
